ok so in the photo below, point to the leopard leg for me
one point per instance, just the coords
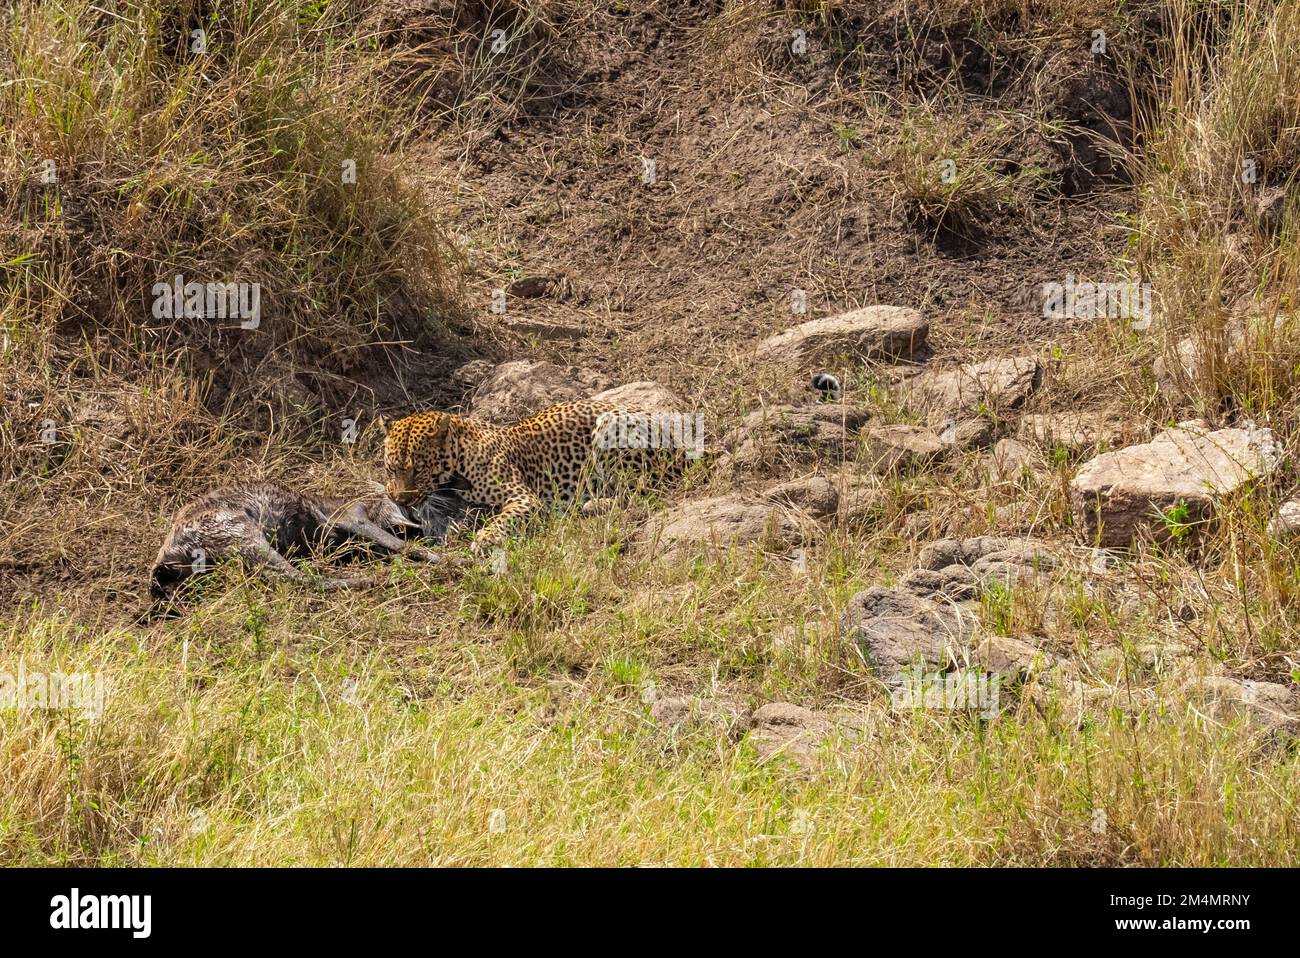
(518, 506)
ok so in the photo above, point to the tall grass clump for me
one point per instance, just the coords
(226, 142)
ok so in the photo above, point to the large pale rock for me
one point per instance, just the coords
(722, 521)
(1117, 494)
(870, 333)
(1002, 383)
(644, 395)
(524, 387)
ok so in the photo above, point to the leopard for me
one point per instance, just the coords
(562, 456)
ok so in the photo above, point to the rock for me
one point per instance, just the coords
(898, 632)
(722, 521)
(859, 497)
(1075, 432)
(540, 329)
(1264, 704)
(1287, 521)
(534, 287)
(870, 333)
(643, 395)
(895, 629)
(780, 728)
(891, 448)
(795, 434)
(814, 495)
(1008, 462)
(677, 711)
(1117, 494)
(472, 373)
(1270, 208)
(956, 582)
(963, 568)
(968, 434)
(524, 387)
(999, 384)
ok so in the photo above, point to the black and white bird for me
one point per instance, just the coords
(828, 386)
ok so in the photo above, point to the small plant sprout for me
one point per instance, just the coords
(1177, 520)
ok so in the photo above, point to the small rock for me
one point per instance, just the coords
(1009, 461)
(1265, 704)
(795, 434)
(722, 521)
(1002, 383)
(780, 728)
(891, 448)
(676, 711)
(814, 495)
(1287, 521)
(968, 434)
(1075, 432)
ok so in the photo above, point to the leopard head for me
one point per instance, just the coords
(419, 456)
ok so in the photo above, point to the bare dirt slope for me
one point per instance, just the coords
(774, 171)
